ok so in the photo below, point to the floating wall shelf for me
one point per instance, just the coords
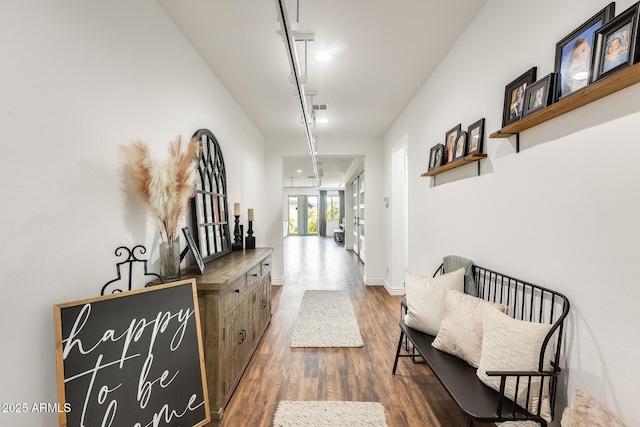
(620, 80)
(456, 164)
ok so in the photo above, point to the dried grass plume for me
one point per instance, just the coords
(166, 186)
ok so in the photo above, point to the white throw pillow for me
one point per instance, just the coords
(460, 332)
(425, 299)
(514, 345)
(585, 410)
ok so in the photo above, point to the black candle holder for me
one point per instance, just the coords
(237, 233)
(250, 241)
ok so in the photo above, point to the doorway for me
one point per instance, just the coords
(303, 216)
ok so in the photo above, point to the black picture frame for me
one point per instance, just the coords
(449, 143)
(460, 146)
(433, 157)
(574, 54)
(436, 156)
(475, 137)
(540, 94)
(623, 29)
(191, 244)
(514, 97)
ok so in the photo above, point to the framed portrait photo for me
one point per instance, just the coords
(475, 137)
(574, 54)
(436, 155)
(514, 97)
(460, 145)
(539, 94)
(616, 44)
(450, 143)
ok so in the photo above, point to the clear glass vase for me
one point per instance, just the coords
(170, 260)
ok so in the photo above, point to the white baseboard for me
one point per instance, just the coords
(277, 281)
(392, 290)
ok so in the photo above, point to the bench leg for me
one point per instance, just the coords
(395, 363)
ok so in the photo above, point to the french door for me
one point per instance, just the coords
(303, 215)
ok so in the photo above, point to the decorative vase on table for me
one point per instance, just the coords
(170, 260)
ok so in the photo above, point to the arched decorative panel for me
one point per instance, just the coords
(210, 217)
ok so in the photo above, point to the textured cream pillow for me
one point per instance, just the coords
(460, 332)
(587, 411)
(514, 345)
(425, 299)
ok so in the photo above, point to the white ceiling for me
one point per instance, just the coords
(381, 54)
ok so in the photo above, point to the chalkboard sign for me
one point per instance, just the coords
(132, 359)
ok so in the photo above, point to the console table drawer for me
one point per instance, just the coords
(253, 276)
(266, 266)
(231, 294)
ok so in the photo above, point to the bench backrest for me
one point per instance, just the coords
(527, 302)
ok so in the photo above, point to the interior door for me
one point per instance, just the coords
(358, 216)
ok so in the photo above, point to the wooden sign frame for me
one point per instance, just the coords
(132, 358)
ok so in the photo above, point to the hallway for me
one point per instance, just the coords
(413, 397)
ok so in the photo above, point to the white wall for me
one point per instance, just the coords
(371, 149)
(78, 79)
(563, 213)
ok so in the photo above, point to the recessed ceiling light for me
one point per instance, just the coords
(299, 171)
(323, 57)
(323, 120)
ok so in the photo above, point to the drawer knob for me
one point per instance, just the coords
(237, 291)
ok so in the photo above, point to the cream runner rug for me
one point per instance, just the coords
(320, 414)
(326, 319)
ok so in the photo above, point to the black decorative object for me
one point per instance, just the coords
(616, 44)
(237, 233)
(540, 94)
(574, 54)
(250, 241)
(514, 97)
(131, 258)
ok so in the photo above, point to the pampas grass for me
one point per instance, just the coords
(165, 187)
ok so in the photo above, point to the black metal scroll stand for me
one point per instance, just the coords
(131, 258)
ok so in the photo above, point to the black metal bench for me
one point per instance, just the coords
(478, 401)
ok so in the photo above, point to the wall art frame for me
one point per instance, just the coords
(514, 96)
(449, 145)
(540, 94)
(616, 44)
(475, 137)
(574, 54)
(435, 156)
(460, 146)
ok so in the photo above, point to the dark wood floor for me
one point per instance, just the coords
(412, 397)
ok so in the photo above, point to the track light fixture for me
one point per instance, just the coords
(290, 46)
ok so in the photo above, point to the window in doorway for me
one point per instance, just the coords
(333, 208)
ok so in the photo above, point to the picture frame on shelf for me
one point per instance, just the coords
(435, 157)
(514, 97)
(616, 44)
(539, 95)
(475, 137)
(574, 54)
(450, 142)
(191, 244)
(460, 145)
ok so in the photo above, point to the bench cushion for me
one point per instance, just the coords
(514, 345)
(476, 399)
(425, 298)
(460, 332)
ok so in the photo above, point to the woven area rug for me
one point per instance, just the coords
(326, 319)
(316, 414)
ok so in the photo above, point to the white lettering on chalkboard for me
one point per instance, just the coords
(137, 329)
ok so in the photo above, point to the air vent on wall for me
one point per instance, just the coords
(320, 107)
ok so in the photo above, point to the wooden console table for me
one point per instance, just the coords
(234, 297)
